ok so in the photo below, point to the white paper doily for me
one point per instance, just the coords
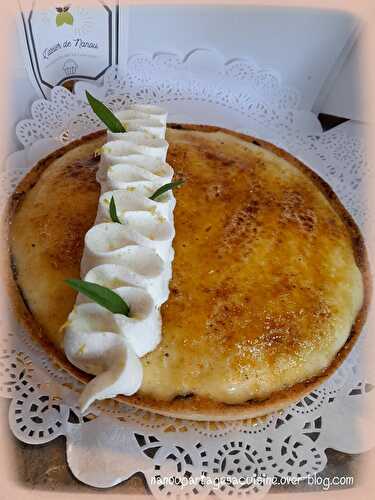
(116, 441)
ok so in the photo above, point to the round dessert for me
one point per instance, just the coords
(270, 281)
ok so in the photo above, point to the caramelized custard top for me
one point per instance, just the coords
(265, 286)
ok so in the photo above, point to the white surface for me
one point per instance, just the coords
(106, 451)
(345, 97)
(302, 45)
(22, 92)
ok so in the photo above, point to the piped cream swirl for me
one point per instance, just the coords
(133, 258)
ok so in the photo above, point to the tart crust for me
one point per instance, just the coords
(193, 406)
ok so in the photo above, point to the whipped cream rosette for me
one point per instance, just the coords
(133, 258)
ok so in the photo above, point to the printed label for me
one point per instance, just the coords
(67, 41)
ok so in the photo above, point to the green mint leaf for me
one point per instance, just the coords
(105, 114)
(68, 18)
(59, 20)
(113, 211)
(166, 187)
(103, 296)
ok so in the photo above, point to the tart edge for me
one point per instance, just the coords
(189, 407)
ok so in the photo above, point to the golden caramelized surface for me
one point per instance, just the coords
(47, 235)
(265, 286)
